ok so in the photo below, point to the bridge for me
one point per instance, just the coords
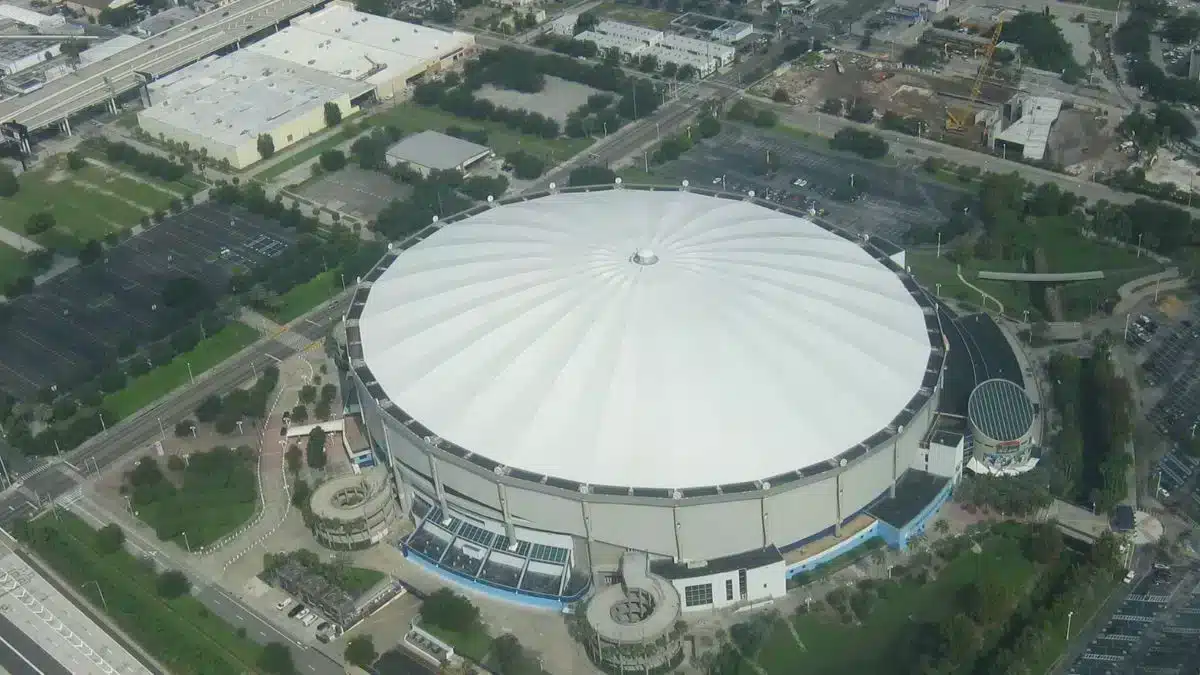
(1048, 277)
(103, 81)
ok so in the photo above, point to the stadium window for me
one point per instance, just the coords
(729, 589)
(700, 594)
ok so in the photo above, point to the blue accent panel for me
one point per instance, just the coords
(500, 593)
(841, 548)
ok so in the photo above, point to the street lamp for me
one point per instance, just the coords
(1069, 615)
(100, 591)
(187, 543)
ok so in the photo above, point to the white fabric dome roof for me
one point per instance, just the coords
(647, 339)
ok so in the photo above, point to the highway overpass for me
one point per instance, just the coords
(101, 82)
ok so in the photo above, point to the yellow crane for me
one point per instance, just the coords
(957, 120)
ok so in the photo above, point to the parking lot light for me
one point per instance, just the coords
(1069, 615)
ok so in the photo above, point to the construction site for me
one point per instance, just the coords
(979, 96)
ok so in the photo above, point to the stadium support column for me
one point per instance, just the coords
(837, 501)
(112, 106)
(437, 485)
(66, 125)
(895, 463)
(587, 533)
(510, 530)
(401, 489)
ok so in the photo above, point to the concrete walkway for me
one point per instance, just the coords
(19, 241)
(132, 176)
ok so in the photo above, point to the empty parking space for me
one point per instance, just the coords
(72, 326)
(356, 191)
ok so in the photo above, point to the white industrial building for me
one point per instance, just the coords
(18, 55)
(729, 389)
(223, 104)
(636, 41)
(1022, 125)
(280, 85)
(733, 32)
(434, 151)
(42, 23)
(392, 56)
(563, 26)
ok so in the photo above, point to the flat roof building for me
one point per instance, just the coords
(18, 55)
(390, 55)
(637, 41)
(733, 32)
(164, 20)
(434, 151)
(224, 104)
(44, 23)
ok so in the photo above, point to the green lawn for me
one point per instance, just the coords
(181, 633)
(930, 271)
(81, 213)
(828, 648)
(148, 388)
(359, 580)
(304, 156)
(300, 299)
(642, 16)
(411, 118)
(474, 645)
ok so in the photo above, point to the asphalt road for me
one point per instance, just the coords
(20, 655)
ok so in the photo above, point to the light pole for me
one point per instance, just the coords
(100, 591)
(187, 543)
(937, 290)
(939, 244)
(1127, 317)
(191, 378)
(1139, 244)
(103, 426)
(162, 430)
(1069, 615)
(4, 467)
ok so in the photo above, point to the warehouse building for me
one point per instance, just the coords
(18, 55)
(224, 104)
(280, 85)
(392, 56)
(430, 151)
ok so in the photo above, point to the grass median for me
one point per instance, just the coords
(181, 632)
(146, 389)
(303, 297)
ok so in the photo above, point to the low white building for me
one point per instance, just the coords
(732, 32)
(108, 48)
(223, 104)
(429, 151)
(755, 576)
(564, 26)
(636, 41)
(43, 23)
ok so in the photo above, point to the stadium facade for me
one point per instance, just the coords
(565, 379)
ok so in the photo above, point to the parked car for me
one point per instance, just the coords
(283, 604)
(296, 611)
(309, 620)
(304, 614)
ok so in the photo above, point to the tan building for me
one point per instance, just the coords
(224, 105)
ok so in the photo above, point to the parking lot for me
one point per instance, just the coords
(894, 198)
(71, 327)
(355, 191)
(1171, 365)
(1143, 635)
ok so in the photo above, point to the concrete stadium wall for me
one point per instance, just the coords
(679, 529)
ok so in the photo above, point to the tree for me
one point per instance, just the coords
(360, 652)
(861, 111)
(183, 428)
(708, 126)
(781, 96)
(173, 584)
(316, 449)
(39, 222)
(592, 175)
(266, 146)
(209, 408)
(333, 160)
(448, 610)
(8, 182)
(333, 114)
(276, 659)
(832, 106)
(110, 539)
(293, 458)
(91, 252)
(75, 160)
(300, 414)
(308, 394)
